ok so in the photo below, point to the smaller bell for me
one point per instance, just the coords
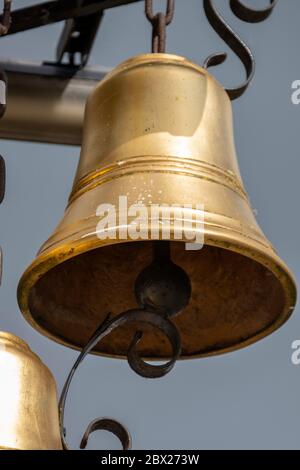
(28, 401)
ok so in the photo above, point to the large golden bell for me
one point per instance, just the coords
(158, 129)
(28, 402)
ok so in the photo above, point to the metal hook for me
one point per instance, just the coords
(136, 363)
(238, 46)
(168, 328)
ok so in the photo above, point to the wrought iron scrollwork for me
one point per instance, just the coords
(110, 425)
(135, 361)
(238, 46)
(251, 15)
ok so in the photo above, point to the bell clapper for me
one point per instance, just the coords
(163, 286)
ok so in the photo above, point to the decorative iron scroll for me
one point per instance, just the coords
(79, 14)
(238, 46)
(135, 361)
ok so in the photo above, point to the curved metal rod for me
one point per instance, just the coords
(110, 425)
(136, 363)
(238, 46)
(251, 15)
(168, 328)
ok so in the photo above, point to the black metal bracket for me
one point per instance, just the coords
(50, 12)
(83, 18)
(77, 39)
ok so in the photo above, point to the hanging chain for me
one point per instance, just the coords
(159, 23)
(6, 21)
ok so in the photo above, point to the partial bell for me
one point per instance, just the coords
(28, 401)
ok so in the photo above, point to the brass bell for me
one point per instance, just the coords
(28, 402)
(158, 129)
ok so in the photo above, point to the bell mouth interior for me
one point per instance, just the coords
(235, 300)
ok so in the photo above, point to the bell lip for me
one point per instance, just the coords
(9, 448)
(36, 448)
(166, 58)
(47, 261)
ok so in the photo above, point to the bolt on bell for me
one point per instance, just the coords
(28, 401)
(158, 130)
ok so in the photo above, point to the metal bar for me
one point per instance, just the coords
(53, 11)
(46, 102)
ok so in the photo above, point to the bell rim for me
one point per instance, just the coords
(56, 256)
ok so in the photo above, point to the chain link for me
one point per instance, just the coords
(6, 18)
(159, 23)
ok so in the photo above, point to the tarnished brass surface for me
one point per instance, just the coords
(28, 402)
(158, 129)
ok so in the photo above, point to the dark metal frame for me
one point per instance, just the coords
(76, 38)
(82, 20)
(46, 13)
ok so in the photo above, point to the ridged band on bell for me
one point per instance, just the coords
(158, 130)
(28, 401)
